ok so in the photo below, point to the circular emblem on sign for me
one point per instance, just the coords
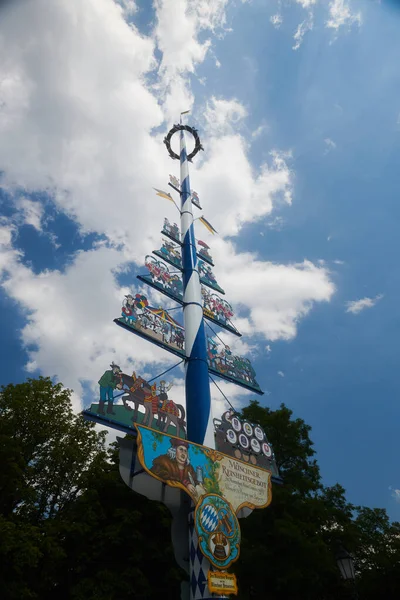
(197, 143)
(247, 428)
(258, 432)
(236, 424)
(255, 445)
(231, 436)
(218, 530)
(244, 441)
(267, 450)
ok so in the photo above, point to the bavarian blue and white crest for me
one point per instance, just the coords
(218, 531)
(209, 518)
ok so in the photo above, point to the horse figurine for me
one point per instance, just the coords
(142, 393)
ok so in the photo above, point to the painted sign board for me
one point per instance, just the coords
(142, 402)
(222, 583)
(237, 369)
(203, 252)
(157, 326)
(171, 253)
(200, 471)
(220, 487)
(153, 324)
(245, 441)
(169, 281)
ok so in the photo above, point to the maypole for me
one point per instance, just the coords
(209, 472)
(197, 383)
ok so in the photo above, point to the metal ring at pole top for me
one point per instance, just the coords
(197, 143)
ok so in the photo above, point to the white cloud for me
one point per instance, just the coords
(395, 494)
(235, 192)
(276, 20)
(259, 131)
(303, 27)
(274, 297)
(341, 15)
(276, 223)
(306, 3)
(179, 25)
(31, 212)
(281, 374)
(76, 121)
(223, 116)
(70, 329)
(129, 7)
(356, 306)
(329, 145)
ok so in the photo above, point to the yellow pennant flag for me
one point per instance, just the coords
(208, 225)
(165, 195)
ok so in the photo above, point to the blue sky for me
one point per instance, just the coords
(299, 175)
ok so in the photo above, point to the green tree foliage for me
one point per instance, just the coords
(289, 550)
(71, 529)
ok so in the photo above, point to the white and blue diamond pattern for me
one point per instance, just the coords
(209, 518)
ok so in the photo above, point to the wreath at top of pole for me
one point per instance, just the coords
(197, 143)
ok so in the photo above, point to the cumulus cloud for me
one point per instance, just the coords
(77, 121)
(177, 33)
(281, 374)
(238, 193)
(273, 296)
(356, 306)
(31, 212)
(129, 7)
(223, 116)
(341, 15)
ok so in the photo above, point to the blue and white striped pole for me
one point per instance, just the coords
(197, 384)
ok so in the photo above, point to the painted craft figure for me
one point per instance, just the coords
(203, 251)
(164, 389)
(133, 307)
(174, 181)
(108, 382)
(161, 278)
(150, 322)
(196, 199)
(171, 253)
(207, 276)
(159, 410)
(227, 364)
(220, 309)
(171, 230)
(175, 466)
